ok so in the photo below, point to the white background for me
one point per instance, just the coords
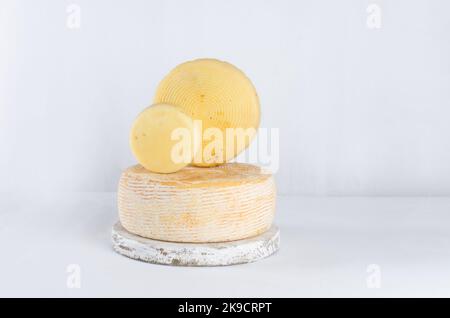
(361, 111)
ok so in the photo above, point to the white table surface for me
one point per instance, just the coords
(326, 248)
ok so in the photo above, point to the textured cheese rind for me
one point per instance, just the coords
(217, 93)
(224, 203)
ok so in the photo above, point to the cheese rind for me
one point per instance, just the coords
(152, 138)
(224, 203)
(218, 94)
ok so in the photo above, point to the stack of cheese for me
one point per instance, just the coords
(184, 190)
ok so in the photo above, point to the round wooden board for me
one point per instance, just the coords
(195, 254)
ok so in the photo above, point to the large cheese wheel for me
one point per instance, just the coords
(224, 203)
(222, 97)
(152, 138)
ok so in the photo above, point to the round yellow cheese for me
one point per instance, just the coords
(162, 138)
(224, 203)
(220, 96)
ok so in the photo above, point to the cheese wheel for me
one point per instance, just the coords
(221, 96)
(162, 138)
(224, 203)
(195, 254)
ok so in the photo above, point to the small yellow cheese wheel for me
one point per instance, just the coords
(218, 94)
(161, 138)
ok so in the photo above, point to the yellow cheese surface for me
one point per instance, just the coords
(152, 142)
(218, 94)
(224, 203)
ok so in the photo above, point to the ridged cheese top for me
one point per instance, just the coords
(230, 174)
